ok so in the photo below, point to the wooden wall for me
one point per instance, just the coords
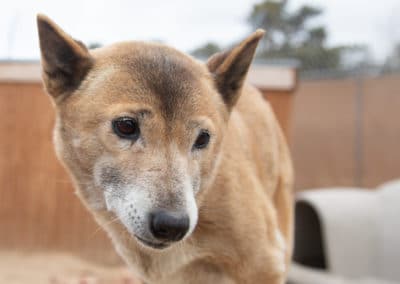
(282, 104)
(38, 208)
(332, 147)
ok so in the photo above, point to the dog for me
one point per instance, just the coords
(181, 162)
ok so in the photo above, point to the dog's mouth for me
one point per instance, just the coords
(154, 245)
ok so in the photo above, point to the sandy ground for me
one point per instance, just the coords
(57, 268)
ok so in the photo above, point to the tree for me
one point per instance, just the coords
(392, 62)
(206, 50)
(283, 28)
(94, 45)
(289, 35)
(269, 14)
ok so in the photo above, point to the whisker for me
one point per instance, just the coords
(72, 183)
(106, 224)
(101, 227)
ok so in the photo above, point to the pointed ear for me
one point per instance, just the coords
(230, 67)
(65, 61)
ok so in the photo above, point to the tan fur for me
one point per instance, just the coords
(241, 183)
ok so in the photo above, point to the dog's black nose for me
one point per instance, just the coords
(168, 227)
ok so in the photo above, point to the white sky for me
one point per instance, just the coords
(186, 24)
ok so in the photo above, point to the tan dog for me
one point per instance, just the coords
(183, 164)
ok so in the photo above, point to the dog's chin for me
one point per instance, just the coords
(151, 244)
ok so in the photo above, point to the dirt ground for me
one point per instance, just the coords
(57, 268)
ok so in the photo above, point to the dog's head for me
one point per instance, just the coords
(139, 126)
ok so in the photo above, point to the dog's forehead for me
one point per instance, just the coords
(172, 79)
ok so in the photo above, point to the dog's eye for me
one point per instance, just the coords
(126, 127)
(202, 140)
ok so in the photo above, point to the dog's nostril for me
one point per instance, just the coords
(168, 227)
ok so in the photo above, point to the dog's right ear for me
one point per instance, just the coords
(229, 68)
(65, 61)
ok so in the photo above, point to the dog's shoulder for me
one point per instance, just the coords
(255, 119)
(254, 107)
(255, 137)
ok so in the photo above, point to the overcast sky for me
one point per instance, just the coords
(186, 24)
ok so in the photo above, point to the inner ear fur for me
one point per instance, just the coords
(230, 67)
(65, 61)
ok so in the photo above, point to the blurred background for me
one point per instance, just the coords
(330, 69)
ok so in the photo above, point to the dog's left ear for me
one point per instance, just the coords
(230, 67)
(65, 61)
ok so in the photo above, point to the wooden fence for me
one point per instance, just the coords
(346, 132)
(38, 209)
